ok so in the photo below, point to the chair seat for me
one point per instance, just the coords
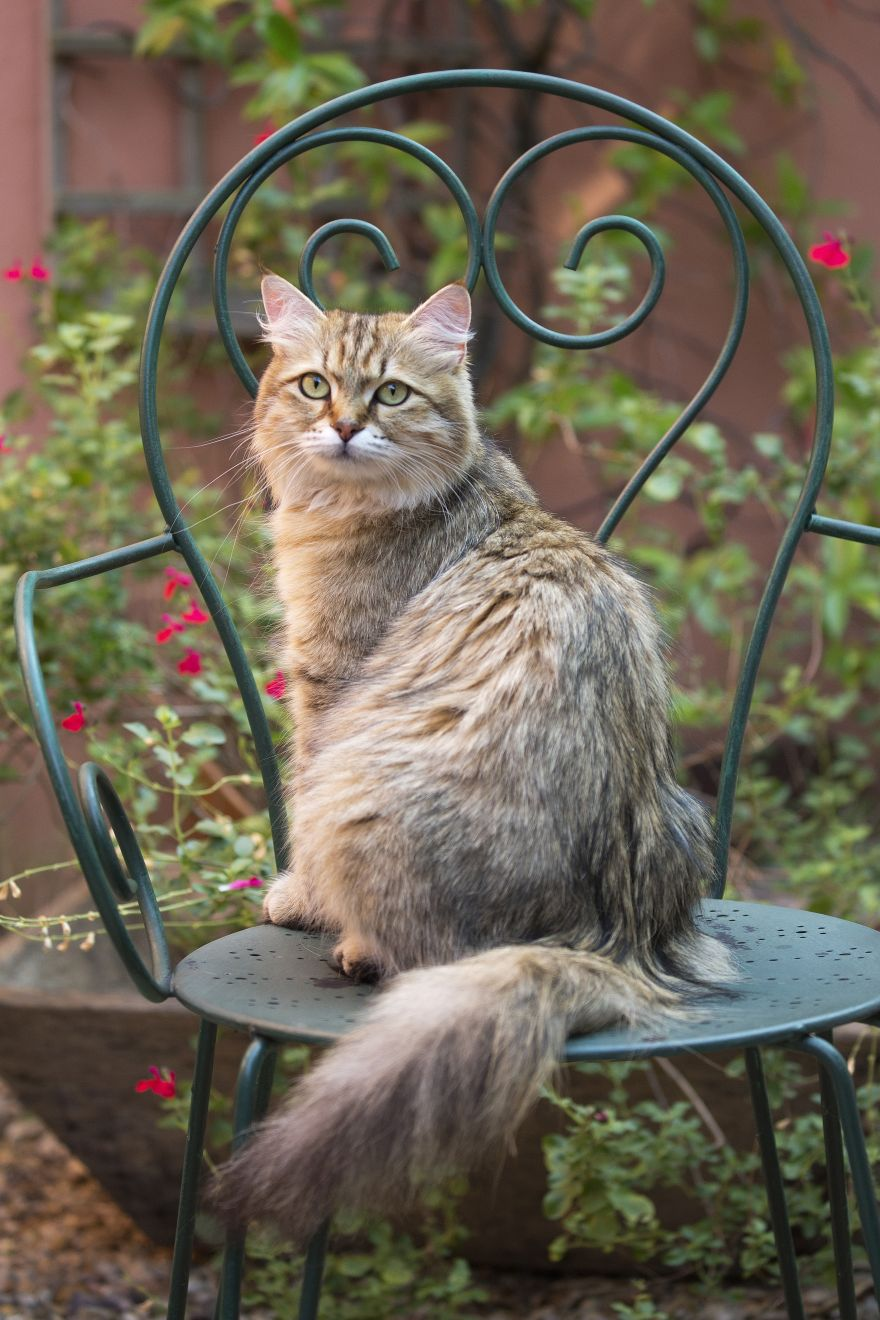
(801, 972)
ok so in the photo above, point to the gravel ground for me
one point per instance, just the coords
(68, 1253)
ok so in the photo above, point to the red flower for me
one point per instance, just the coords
(252, 882)
(172, 626)
(277, 687)
(75, 721)
(830, 253)
(175, 579)
(190, 664)
(159, 1085)
(39, 271)
(4, 447)
(194, 614)
(261, 137)
(13, 273)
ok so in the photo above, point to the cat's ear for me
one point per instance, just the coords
(443, 323)
(290, 317)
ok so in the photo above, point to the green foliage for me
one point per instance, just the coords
(609, 1170)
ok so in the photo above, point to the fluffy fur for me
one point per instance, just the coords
(484, 799)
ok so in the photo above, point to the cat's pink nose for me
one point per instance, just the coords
(346, 429)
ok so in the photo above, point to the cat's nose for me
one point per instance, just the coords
(346, 429)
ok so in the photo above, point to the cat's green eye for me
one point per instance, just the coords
(392, 392)
(314, 386)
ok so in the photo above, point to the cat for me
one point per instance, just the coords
(483, 793)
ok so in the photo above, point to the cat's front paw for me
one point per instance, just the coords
(357, 960)
(286, 903)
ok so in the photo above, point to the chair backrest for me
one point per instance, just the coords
(86, 822)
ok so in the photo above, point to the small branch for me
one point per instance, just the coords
(693, 1096)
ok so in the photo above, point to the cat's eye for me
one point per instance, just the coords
(314, 386)
(392, 392)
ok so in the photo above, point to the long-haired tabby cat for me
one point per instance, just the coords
(484, 803)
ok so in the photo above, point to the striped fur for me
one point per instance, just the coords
(484, 801)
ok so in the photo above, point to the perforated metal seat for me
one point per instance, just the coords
(277, 982)
(801, 973)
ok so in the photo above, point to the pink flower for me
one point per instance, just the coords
(4, 447)
(195, 615)
(172, 626)
(165, 1087)
(190, 664)
(175, 579)
(13, 273)
(277, 687)
(830, 253)
(39, 271)
(252, 882)
(75, 721)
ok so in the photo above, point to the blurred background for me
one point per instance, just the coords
(117, 116)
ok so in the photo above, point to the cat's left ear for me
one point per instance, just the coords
(443, 323)
(290, 317)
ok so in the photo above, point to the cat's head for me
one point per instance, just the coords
(364, 413)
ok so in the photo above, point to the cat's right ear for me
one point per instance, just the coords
(290, 318)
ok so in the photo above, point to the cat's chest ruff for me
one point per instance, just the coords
(316, 573)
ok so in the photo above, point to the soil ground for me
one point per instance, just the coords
(67, 1252)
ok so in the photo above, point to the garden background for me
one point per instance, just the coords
(116, 118)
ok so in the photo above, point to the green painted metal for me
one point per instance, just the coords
(192, 1167)
(282, 156)
(803, 972)
(841, 1091)
(837, 1202)
(844, 531)
(773, 1181)
(101, 805)
(313, 1273)
(88, 830)
(333, 227)
(252, 1092)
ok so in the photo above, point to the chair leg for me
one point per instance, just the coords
(312, 1274)
(252, 1093)
(836, 1175)
(192, 1162)
(775, 1187)
(843, 1094)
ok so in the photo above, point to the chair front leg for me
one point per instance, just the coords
(775, 1187)
(252, 1092)
(842, 1095)
(192, 1163)
(313, 1273)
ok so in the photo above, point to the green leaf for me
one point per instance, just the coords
(204, 735)
(141, 731)
(283, 37)
(664, 485)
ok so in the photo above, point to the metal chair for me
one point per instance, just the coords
(803, 973)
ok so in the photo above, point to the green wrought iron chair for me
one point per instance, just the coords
(804, 974)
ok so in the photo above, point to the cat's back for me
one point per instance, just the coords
(524, 618)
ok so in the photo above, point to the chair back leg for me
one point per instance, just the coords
(841, 1094)
(775, 1186)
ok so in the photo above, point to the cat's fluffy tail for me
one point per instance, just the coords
(447, 1063)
